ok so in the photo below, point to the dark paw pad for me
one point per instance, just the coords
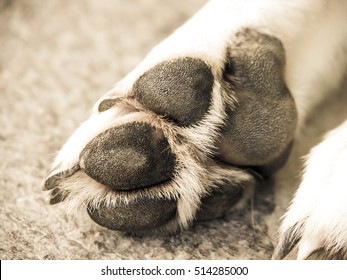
(217, 204)
(129, 157)
(180, 89)
(261, 129)
(138, 215)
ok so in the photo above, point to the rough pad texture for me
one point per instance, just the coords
(120, 156)
(56, 59)
(180, 89)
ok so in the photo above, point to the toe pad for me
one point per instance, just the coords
(128, 157)
(180, 89)
(138, 215)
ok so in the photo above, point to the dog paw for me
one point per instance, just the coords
(181, 142)
(317, 217)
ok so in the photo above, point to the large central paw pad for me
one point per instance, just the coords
(180, 143)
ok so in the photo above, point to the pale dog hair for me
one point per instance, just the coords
(196, 175)
(318, 211)
(314, 37)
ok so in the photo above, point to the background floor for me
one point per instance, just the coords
(57, 58)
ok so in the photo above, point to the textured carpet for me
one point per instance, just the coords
(57, 58)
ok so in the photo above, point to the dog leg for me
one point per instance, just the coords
(317, 217)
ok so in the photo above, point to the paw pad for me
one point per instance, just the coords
(138, 215)
(180, 89)
(169, 146)
(127, 157)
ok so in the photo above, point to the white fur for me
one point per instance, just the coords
(312, 31)
(68, 156)
(321, 200)
(314, 36)
(196, 175)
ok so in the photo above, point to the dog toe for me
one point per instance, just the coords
(127, 157)
(135, 216)
(220, 200)
(180, 89)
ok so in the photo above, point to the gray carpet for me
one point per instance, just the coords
(56, 59)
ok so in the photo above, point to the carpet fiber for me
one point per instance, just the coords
(57, 58)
